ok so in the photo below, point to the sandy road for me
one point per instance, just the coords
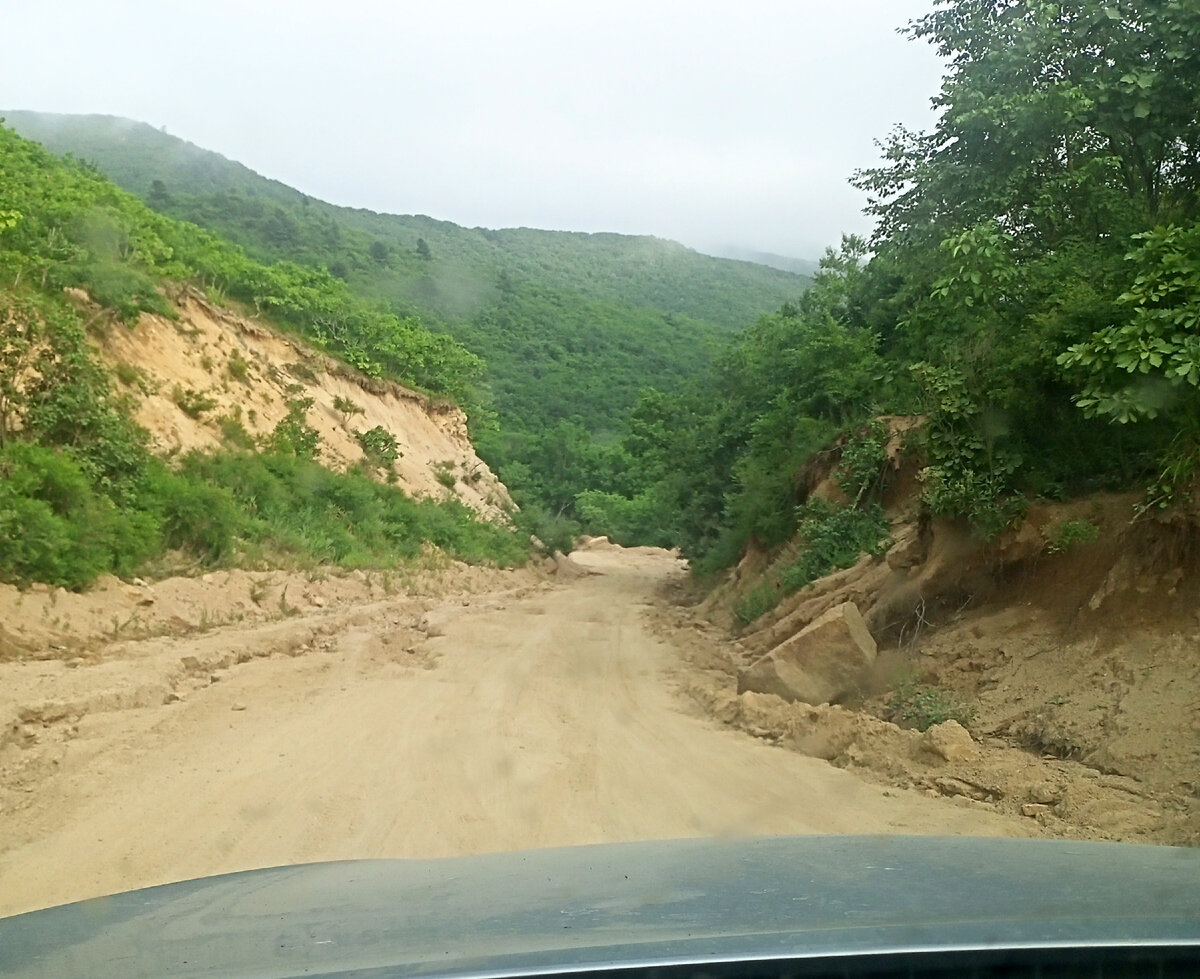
(546, 720)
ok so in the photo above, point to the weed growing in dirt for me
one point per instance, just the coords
(444, 471)
(192, 402)
(758, 601)
(917, 705)
(1063, 535)
(380, 447)
(258, 590)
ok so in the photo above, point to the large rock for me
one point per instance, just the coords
(821, 664)
(950, 741)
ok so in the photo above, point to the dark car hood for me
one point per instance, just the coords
(622, 905)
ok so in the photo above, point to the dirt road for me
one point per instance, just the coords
(543, 720)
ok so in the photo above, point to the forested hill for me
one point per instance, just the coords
(571, 327)
(455, 274)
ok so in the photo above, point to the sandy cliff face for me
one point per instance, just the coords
(223, 367)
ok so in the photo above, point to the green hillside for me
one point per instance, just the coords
(571, 327)
(80, 492)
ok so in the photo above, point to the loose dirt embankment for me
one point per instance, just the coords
(210, 371)
(340, 721)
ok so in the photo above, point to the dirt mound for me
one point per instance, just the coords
(1058, 796)
(1069, 640)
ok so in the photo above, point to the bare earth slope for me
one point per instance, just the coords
(545, 714)
(225, 367)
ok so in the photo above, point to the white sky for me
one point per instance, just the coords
(715, 124)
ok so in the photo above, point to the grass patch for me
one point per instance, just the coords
(918, 705)
(226, 508)
(832, 537)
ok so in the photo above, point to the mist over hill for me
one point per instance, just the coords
(572, 327)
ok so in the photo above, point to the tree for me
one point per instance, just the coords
(1065, 131)
(423, 249)
(1148, 364)
(158, 198)
(1058, 120)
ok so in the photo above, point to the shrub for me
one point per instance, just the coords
(756, 602)
(380, 447)
(121, 287)
(1069, 532)
(238, 367)
(863, 458)
(921, 706)
(293, 435)
(195, 516)
(57, 528)
(191, 402)
(555, 531)
(834, 537)
(234, 432)
(128, 374)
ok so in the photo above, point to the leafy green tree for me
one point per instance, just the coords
(292, 435)
(1148, 364)
(1057, 120)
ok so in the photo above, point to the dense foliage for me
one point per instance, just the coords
(1032, 289)
(81, 495)
(65, 225)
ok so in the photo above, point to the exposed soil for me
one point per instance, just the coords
(223, 367)
(465, 712)
(1079, 668)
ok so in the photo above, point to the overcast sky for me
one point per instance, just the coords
(731, 123)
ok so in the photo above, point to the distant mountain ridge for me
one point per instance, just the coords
(637, 270)
(785, 263)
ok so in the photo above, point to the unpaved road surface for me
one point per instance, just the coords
(543, 718)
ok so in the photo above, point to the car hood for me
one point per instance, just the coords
(622, 906)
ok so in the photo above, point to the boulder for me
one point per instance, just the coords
(821, 664)
(950, 741)
(910, 549)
